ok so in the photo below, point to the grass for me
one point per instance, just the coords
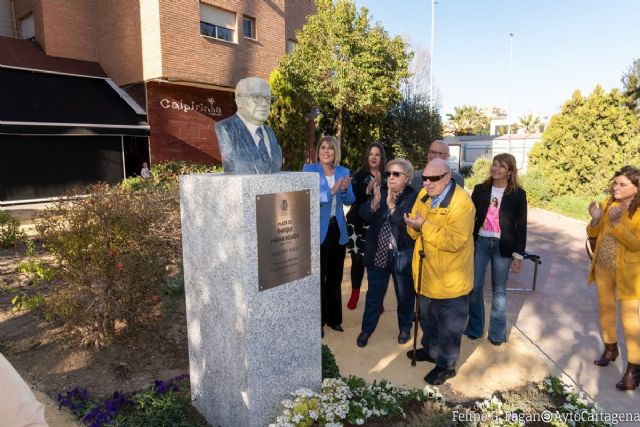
(569, 205)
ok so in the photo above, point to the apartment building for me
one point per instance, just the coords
(178, 59)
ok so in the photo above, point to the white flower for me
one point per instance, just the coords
(359, 421)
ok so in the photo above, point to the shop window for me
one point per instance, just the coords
(217, 23)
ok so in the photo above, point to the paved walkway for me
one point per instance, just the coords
(552, 331)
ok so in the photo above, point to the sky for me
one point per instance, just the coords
(558, 46)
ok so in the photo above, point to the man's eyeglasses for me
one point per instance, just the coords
(435, 178)
(259, 98)
(394, 173)
(438, 153)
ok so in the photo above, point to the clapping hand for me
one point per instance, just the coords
(595, 210)
(415, 222)
(375, 202)
(344, 183)
(615, 213)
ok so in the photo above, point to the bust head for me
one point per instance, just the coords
(253, 98)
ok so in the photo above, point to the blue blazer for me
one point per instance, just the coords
(326, 198)
(239, 152)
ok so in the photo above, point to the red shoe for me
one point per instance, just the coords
(353, 301)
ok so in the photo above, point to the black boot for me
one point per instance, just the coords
(610, 354)
(631, 378)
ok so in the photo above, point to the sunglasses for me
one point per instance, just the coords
(394, 173)
(435, 178)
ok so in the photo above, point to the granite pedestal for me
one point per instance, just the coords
(248, 349)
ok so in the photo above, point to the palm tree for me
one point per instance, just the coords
(468, 120)
(530, 123)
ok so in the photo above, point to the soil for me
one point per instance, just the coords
(53, 359)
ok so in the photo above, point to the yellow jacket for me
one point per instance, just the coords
(627, 235)
(447, 239)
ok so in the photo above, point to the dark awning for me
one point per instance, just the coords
(43, 103)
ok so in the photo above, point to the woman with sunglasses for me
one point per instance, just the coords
(389, 249)
(362, 182)
(335, 191)
(615, 267)
(500, 235)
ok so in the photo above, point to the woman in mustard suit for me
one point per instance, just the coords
(615, 267)
(335, 191)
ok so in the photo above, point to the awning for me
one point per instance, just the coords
(34, 102)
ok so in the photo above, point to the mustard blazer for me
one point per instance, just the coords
(447, 239)
(627, 235)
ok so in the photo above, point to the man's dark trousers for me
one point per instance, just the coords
(443, 322)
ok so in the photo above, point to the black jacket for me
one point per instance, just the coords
(377, 218)
(513, 218)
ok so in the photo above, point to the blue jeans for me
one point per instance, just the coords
(378, 279)
(488, 249)
(442, 322)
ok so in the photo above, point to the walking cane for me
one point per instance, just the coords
(417, 309)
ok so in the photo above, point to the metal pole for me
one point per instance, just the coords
(433, 23)
(510, 95)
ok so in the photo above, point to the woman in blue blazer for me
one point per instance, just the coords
(335, 191)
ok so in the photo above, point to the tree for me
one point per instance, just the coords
(468, 120)
(530, 124)
(288, 121)
(586, 142)
(346, 66)
(409, 128)
(631, 83)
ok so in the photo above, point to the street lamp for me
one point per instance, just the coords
(510, 95)
(433, 22)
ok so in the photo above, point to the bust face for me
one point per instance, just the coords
(253, 98)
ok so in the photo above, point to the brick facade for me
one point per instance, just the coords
(182, 120)
(154, 48)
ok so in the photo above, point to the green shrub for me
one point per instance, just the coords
(23, 302)
(10, 233)
(113, 250)
(167, 174)
(536, 186)
(479, 172)
(329, 366)
(571, 205)
(37, 269)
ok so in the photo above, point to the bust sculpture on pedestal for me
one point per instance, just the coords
(247, 145)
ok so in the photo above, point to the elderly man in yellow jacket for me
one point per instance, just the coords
(441, 222)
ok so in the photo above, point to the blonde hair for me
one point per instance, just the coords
(333, 141)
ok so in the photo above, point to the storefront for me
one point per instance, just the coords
(62, 131)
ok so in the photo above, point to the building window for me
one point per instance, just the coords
(291, 44)
(217, 23)
(249, 27)
(27, 27)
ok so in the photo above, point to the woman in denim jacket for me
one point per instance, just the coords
(389, 249)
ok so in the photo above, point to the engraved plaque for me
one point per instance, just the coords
(284, 237)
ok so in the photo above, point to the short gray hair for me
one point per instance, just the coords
(404, 164)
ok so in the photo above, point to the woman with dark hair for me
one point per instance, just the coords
(615, 267)
(362, 182)
(389, 249)
(500, 234)
(335, 191)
